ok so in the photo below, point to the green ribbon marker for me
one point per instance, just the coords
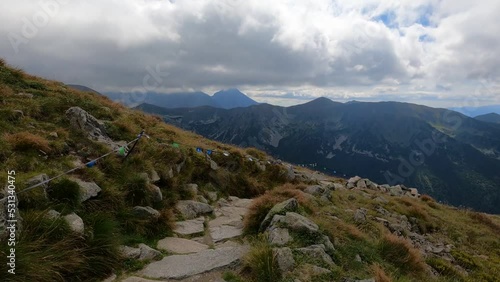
(121, 151)
(175, 145)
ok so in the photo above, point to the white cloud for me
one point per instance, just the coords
(438, 50)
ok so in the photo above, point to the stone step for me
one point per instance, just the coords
(190, 227)
(182, 266)
(180, 246)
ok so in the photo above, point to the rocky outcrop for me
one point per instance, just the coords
(289, 205)
(284, 259)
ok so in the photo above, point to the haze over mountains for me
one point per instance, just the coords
(453, 157)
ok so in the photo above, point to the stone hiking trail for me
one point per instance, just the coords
(213, 246)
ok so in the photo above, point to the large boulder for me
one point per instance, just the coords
(192, 209)
(84, 121)
(279, 236)
(282, 208)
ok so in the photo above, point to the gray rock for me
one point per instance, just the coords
(53, 134)
(414, 192)
(328, 244)
(192, 209)
(18, 114)
(361, 184)
(75, 223)
(154, 176)
(212, 196)
(358, 258)
(396, 190)
(296, 221)
(381, 199)
(52, 214)
(315, 270)
(81, 120)
(145, 212)
(213, 165)
(315, 190)
(354, 179)
(180, 246)
(290, 173)
(147, 252)
(170, 173)
(284, 257)
(367, 280)
(360, 215)
(182, 266)
(317, 252)
(190, 227)
(156, 193)
(224, 232)
(129, 252)
(338, 186)
(282, 208)
(87, 189)
(279, 236)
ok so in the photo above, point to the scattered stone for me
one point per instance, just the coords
(147, 252)
(182, 266)
(414, 192)
(396, 190)
(145, 212)
(381, 199)
(53, 134)
(360, 215)
(87, 189)
(189, 227)
(284, 257)
(328, 244)
(156, 193)
(358, 258)
(180, 246)
(192, 209)
(313, 270)
(279, 236)
(75, 222)
(351, 198)
(317, 252)
(213, 165)
(17, 114)
(315, 190)
(170, 173)
(296, 221)
(154, 176)
(289, 205)
(129, 252)
(290, 173)
(53, 214)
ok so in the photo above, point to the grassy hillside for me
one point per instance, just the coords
(37, 137)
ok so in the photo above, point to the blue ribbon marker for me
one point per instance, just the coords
(91, 164)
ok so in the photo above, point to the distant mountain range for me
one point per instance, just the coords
(446, 154)
(477, 111)
(226, 99)
(491, 117)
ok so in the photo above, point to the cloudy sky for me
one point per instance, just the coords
(435, 52)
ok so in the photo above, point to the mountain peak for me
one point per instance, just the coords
(232, 98)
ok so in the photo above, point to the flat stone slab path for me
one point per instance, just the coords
(180, 246)
(189, 227)
(182, 266)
